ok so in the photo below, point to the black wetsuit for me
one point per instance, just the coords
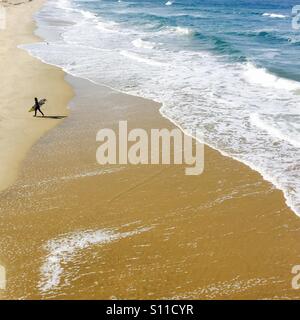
(37, 107)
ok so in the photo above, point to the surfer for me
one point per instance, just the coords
(37, 107)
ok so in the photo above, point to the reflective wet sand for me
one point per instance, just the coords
(70, 228)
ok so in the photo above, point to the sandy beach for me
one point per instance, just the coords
(73, 229)
(23, 78)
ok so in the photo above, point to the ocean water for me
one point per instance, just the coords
(229, 68)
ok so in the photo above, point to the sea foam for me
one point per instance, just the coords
(274, 15)
(264, 78)
(62, 250)
(196, 88)
(140, 43)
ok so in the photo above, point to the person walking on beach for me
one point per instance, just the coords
(37, 107)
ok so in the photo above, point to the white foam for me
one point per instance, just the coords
(105, 26)
(140, 43)
(277, 129)
(87, 14)
(140, 58)
(183, 31)
(266, 79)
(169, 3)
(63, 4)
(274, 15)
(62, 250)
(179, 31)
(197, 90)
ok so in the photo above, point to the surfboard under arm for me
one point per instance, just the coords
(41, 102)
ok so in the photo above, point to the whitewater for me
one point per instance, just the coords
(242, 107)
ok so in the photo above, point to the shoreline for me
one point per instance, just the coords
(172, 236)
(263, 171)
(25, 77)
(251, 167)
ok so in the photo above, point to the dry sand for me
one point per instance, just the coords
(22, 78)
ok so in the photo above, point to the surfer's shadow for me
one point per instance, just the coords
(52, 117)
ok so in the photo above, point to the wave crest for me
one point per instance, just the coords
(274, 15)
(262, 77)
(140, 43)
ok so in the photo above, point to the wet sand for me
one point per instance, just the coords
(22, 78)
(70, 228)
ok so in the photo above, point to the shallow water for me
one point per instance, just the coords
(71, 228)
(228, 68)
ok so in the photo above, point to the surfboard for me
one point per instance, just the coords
(41, 102)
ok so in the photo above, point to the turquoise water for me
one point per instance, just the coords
(227, 68)
(241, 30)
